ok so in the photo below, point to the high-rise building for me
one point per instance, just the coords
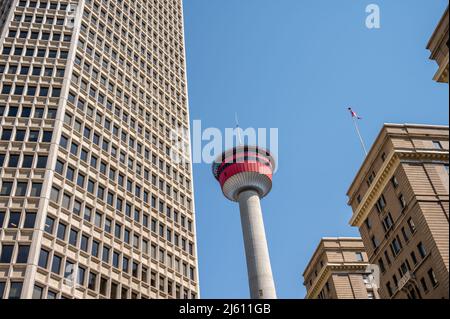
(400, 204)
(339, 269)
(245, 176)
(438, 45)
(92, 203)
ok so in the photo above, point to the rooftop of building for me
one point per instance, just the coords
(320, 249)
(394, 129)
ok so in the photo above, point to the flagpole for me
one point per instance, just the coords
(359, 135)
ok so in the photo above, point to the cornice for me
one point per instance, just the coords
(327, 271)
(385, 174)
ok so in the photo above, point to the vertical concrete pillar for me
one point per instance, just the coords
(258, 262)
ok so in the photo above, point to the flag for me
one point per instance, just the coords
(353, 113)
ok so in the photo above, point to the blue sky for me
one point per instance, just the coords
(296, 65)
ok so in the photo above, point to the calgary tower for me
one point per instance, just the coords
(245, 175)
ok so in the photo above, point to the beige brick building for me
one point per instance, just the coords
(91, 203)
(399, 199)
(438, 45)
(338, 269)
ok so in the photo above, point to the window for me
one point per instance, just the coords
(375, 242)
(41, 162)
(394, 182)
(13, 160)
(432, 277)
(125, 263)
(73, 237)
(116, 257)
(103, 285)
(422, 250)
(14, 220)
(80, 180)
(36, 189)
(87, 213)
(127, 236)
(98, 220)
(396, 246)
(135, 270)
(2, 289)
(81, 275)
(381, 204)
(117, 230)
(30, 219)
(437, 145)
(368, 223)
(105, 254)
(56, 265)
(5, 257)
(15, 290)
(402, 201)
(61, 233)
(21, 188)
(95, 248)
(412, 226)
(424, 284)
(388, 222)
(381, 265)
(54, 194)
(22, 254)
(413, 257)
(91, 281)
(43, 258)
(84, 243)
(405, 235)
(37, 292)
(6, 189)
(49, 224)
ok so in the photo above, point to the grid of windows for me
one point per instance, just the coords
(116, 197)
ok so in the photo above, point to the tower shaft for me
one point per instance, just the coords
(258, 262)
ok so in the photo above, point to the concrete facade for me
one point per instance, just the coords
(338, 269)
(91, 203)
(399, 199)
(258, 262)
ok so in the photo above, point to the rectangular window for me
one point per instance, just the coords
(432, 277)
(105, 254)
(49, 224)
(56, 265)
(73, 237)
(61, 233)
(81, 274)
(14, 220)
(43, 258)
(95, 248)
(22, 254)
(92, 281)
(422, 250)
(5, 257)
(15, 290)
(37, 292)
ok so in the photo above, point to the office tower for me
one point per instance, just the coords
(438, 45)
(245, 176)
(339, 269)
(92, 204)
(399, 199)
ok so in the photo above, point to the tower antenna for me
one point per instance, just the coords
(238, 128)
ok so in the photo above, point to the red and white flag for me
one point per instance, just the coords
(353, 113)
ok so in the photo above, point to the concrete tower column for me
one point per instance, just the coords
(258, 263)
